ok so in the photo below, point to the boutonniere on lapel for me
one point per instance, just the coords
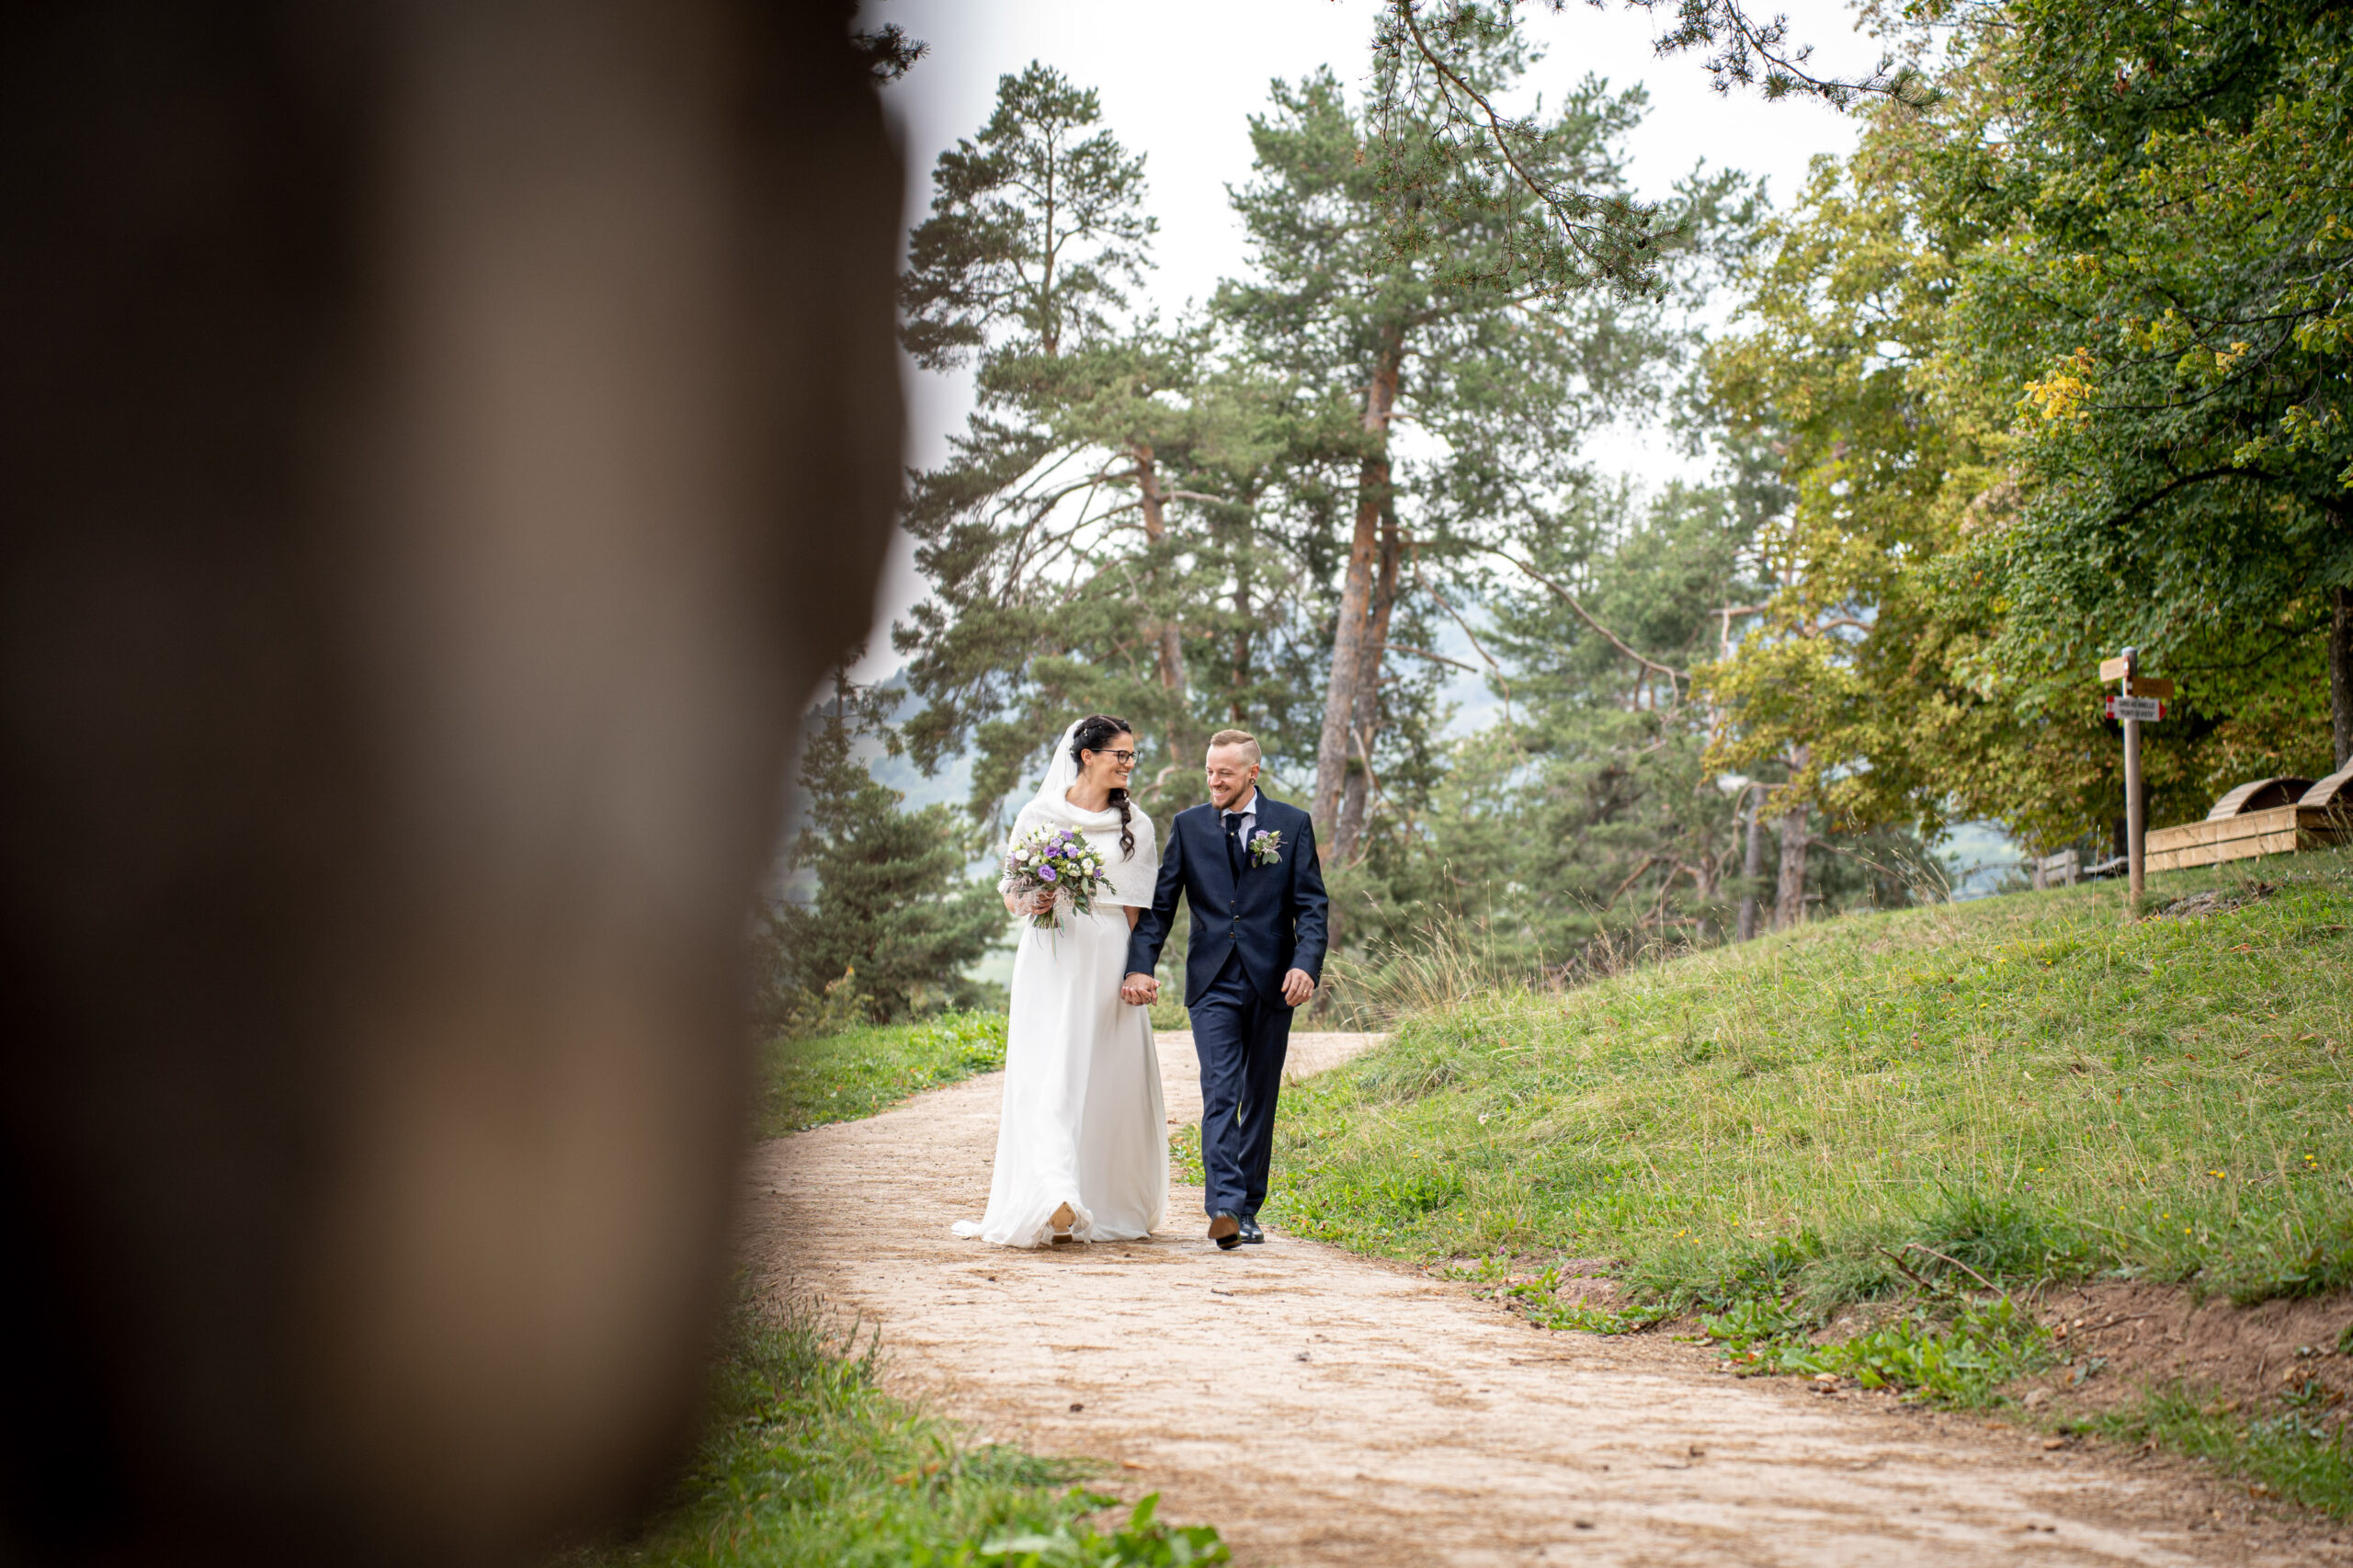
(1266, 849)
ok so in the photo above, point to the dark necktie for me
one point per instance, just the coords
(1234, 843)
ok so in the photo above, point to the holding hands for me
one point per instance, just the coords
(1143, 990)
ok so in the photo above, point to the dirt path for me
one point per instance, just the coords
(1324, 1408)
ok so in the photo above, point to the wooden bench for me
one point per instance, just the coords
(2280, 830)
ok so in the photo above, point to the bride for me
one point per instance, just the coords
(1082, 1147)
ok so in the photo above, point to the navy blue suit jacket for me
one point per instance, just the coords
(1274, 915)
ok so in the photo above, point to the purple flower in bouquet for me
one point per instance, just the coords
(1055, 862)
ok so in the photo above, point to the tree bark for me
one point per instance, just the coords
(1752, 863)
(2340, 676)
(1242, 615)
(1333, 746)
(1365, 723)
(1789, 900)
(1171, 639)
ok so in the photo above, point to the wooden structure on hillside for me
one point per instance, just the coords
(2263, 795)
(2270, 816)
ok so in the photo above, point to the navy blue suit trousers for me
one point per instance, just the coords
(1241, 1039)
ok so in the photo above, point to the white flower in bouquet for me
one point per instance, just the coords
(1056, 860)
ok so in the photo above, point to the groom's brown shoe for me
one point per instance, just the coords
(1225, 1230)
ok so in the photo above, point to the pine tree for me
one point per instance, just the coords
(1093, 537)
(1503, 372)
(892, 912)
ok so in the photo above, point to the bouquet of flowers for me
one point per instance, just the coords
(1054, 860)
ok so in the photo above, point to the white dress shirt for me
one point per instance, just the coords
(1248, 812)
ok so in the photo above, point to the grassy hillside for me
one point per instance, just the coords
(2032, 1080)
(2035, 1088)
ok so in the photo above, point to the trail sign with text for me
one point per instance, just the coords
(2139, 702)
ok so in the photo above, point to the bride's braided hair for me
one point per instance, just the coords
(1096, 733)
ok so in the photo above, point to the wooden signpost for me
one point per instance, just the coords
(2141, 702)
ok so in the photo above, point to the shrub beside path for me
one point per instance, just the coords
(1324, 1408)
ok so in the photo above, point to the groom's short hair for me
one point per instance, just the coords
(1236, 738)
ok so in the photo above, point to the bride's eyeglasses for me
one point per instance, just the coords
(1124, 758)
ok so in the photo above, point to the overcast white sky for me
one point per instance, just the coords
(1178, 81)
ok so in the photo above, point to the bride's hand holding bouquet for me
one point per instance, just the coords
(1047, 868)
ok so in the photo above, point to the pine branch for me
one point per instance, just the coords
(1672, 674)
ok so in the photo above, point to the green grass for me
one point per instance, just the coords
(1946, 1351)
(2032, 1086)
(841, 1077)
(2292, 1452)
(1921, 1111)
(808, 1462)
(1185, 1154)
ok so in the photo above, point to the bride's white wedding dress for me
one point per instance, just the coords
(1082, 1122)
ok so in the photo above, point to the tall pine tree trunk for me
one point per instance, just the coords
(1752, 862)
(1171, 639)
(2340, 676)
(1333, 746)
(1365, 723)
(1242, 611)
(1789, 900)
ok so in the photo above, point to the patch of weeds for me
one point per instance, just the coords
(1959, 1363)
(1583, 1317)
(1408, 1194)
(2298, 1452)
(1142, 1542)
(1765, 1270)
(806, 1461)
(1536, 1297)
(1185, 1154)
(1740, 1275)
(2321, 1266)
(1998, 1238)
(1539, 1301)
(1759, 1333)
(1959, 1360)
(2214, 900)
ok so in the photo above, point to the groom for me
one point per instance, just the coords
(1246, 864)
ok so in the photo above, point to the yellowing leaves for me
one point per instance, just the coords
(2064, 395)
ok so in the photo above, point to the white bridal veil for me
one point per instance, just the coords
(1061, 772)
(1133, 876)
